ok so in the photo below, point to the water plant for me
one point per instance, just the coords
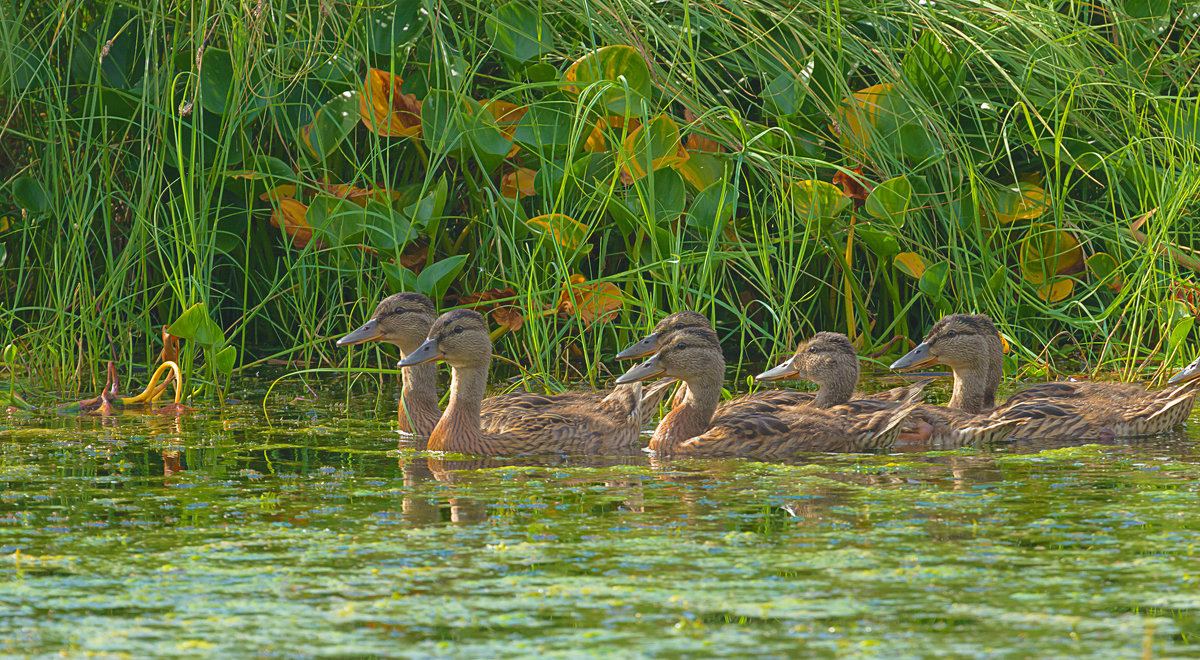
(255, 176)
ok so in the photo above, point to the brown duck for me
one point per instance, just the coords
(971, 346)
(766, 400)
(404, 320)
(695, 427)
(829, 360)
(460, 338)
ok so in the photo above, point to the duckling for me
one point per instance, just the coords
(970, 345)
(403, 320)
(829, 360)
(460, 338)
(751, 402)
(697, 428)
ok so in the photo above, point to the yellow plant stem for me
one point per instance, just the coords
(154, 389)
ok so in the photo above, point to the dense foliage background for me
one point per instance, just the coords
(258, 174)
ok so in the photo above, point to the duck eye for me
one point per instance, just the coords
(458, 329)
(814, 349)
(950, 334)
(683, 347)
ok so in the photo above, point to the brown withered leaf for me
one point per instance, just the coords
(518, 183)
(696, 141)
(504, 314)
(385, 109)
(170, 349)
(289, 214)
(594, 302)
(855, 187)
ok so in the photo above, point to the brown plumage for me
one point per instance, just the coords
(759, 430)
(758, 401)
(460, 338)
(970, 345)
(404, 320)
(829, 360)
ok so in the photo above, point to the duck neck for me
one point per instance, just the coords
(971, 388)
(458, 429)
(692, 416)
(835, 392)
(419, 410)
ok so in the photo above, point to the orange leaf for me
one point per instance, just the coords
(277, 193)
(563, 230)
(505, 315)
(597, 302)
(170, 349)
(359, 196)
(1056, 291)
(596, 141)
(518, 183)
(855, 186)
(507, 115)
(385, 109)
(696, 141)
(290, 215)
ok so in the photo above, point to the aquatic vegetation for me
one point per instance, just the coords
(222, 535)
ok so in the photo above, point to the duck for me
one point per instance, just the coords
(767, 399)
(971, 346)
(404, 320)
(829, 360)
(696, 428)
(460, 338)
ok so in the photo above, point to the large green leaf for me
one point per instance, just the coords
(393, 26)
(713, 207)
(332, 123)
(890, 201)
(195, 324)
(386, 228)
(31, 195)
(435, 278)
(620, 71)
(445, 117)
(216, 80)
(226, 359)
(817, 203)
(546, 129)
(880, 242)
(337, 221)
(933, 68)
(520, 31)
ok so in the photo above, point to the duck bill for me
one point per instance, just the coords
(368, 332)
(427, 352)
(641, 348)
(648, 369)
(786, 370)
(1187, 374)
(917, 357)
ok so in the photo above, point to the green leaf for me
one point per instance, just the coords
(998, 282)
(195, 324)
(394, 26)
(31, 195)
(1105, 268)
(216, 80)
(445, 117)
(933, 68)
(426, 213)
(785, 94)
(435, 278)
(546, 129)
(933, 280)
(519, 31)
(817, 203)
(619, 71)
(336, 221)
(226, 359)
(332, 123)
(386, 228)
(891, 201)
(713, 207)
(912, 264)
(399, 278)
(881, 243)
(1180, 332)
(661, 197)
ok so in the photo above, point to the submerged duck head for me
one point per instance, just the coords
(687, 354)
(959, 341)
(825, 358)
(651, 343)
(458, 338)
(402, 320)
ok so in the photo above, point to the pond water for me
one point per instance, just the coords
(307, 533)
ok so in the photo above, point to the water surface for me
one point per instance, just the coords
(308, 533)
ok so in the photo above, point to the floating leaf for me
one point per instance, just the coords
(912, 264)
(933, 68)
(1047, 251)
(620, 71)
(562, 230)
(518, 183)
(519, 31)
(216, 79)
(291, 216)
(652, 146)
(596, 302)
(385, 109)
(890, 201)
(359, 196)
(695, 140)
(507, 116)
(1026, 201)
